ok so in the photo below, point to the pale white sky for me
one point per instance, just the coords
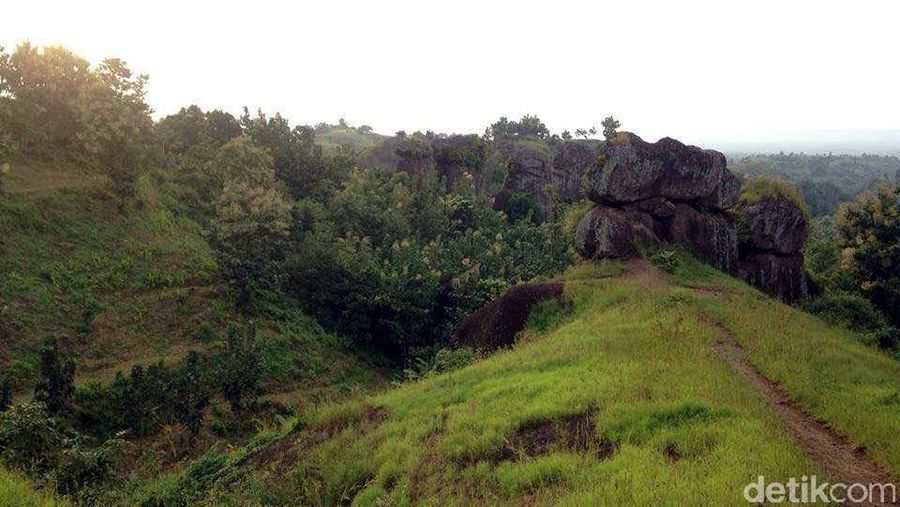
(697, 70)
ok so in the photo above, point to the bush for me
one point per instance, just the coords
(666, 260)
(29, 437)
(758, 188)
(848, 310)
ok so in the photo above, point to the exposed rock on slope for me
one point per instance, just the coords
(496, 324)
(634, 170)
(663, 191)
(648, 193)
(773, 231)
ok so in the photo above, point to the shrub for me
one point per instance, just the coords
(846, 309)
(666, 260)
(29, 437)
(758, 188)
(57, 384)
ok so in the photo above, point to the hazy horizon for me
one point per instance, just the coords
(764, 75)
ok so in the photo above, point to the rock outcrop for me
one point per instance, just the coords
(772, 233)
(648, 193)
(664, 191)
(497, 323)
(634, 170)
(570, 164)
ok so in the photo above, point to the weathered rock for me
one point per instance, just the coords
(657, 207)
(529, 172)
(496, 324)
(779, 275)
(570, 164)
(710, 236)
(772, 225)
(634, 170)
(606, 232)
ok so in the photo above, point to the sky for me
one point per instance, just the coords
(701, 71)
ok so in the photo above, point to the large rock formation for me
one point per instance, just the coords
(635, 170)
(663, 191)
(570, 164)
(772, 233)
(648, 193)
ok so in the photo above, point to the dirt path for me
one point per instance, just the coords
(836, 456)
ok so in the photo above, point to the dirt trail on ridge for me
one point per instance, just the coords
(834, 454)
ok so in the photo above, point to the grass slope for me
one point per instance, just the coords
(622, 402)
(16, 491)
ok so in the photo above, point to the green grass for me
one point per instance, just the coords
(16, 491)
(338, 136)
(638, 363)
(757, 188)
(639, 360)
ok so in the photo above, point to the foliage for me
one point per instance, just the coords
(239, 371)
(251, 222)
(398, 269)
(756, 189)
(824, 180)
(666, 259)
(610, 127)
(54, 105)
(298, 161)
(527, 126)
(191, 393)
(57, 384)
(867, 231)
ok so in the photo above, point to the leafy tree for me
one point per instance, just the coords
(252, 220)
(610, 126)
(191, 393)
(867, 230)
(5, 393)
(299, 161)
(57, 383)
(239, 371)
(527, 126)
(586, 133)
(41, 92)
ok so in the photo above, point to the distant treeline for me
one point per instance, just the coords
(825, 181)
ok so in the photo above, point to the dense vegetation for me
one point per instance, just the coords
(825, 181)
(231, 227)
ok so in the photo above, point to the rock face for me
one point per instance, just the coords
(647, 193)
(607, 232)
(496, 324)
(663, 191)
(634, 170)
(775, 225)
(710, 236)
(570, 163)
(779, 275)
(529, 173)
(772, 233)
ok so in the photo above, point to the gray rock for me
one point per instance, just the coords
(634, 170)
(772, 225)
(710, 236)
(606, 232)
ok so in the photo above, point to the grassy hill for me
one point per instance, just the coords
(632, 397)
(134, 287)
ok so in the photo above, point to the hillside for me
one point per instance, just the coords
(131, 288)
(652, 389)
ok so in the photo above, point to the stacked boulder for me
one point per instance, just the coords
(772, 233)
(648, 193)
